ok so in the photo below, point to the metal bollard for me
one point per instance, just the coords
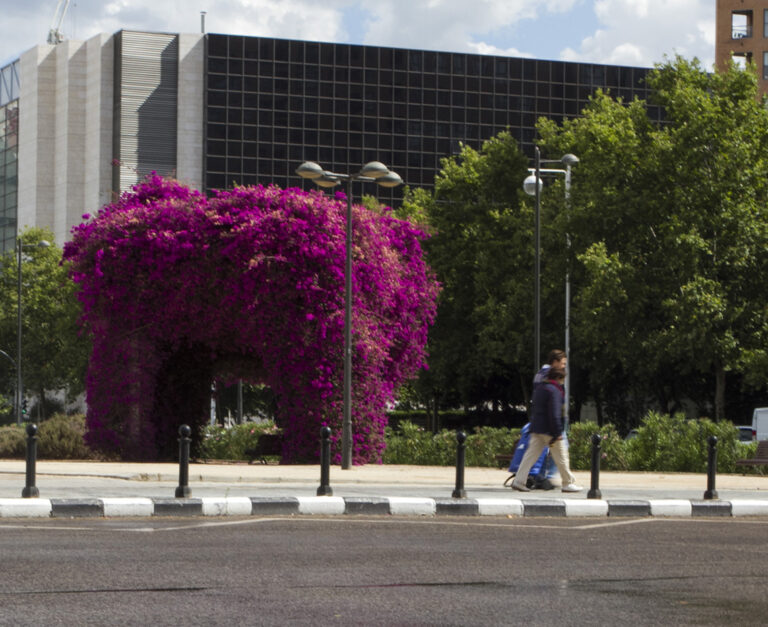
(594, 488)
(183, 490)
(30, 491)
(325, 463)
(459, 492)
(711, 493)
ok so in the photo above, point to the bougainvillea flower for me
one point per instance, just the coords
(179, 291)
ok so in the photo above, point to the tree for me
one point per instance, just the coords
(481, 250)
(669, 226)
(54, 354)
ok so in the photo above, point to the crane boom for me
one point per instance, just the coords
(55, 36)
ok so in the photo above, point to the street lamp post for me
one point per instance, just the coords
(533, 189)
(373, 171)
(19, 381)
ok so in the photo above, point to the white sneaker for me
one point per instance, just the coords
(520, 487)
(572, 487)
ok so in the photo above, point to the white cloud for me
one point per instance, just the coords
(482, 48)
(642, 32)
(453, 25)
(26, 24)
(635, 32)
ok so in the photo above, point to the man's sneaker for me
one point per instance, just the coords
(571, 487)
(520, 487)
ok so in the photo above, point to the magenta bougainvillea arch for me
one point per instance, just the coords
(179, 290)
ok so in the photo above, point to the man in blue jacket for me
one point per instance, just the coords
(547, 430)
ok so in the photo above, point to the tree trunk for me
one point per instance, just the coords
(599, 410)
(719, 392)
(436, 412)
(524, 388)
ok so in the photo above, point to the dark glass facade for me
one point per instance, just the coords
(9, 179)
(273, 103)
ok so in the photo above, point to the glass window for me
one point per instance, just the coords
(251, 48)
(415, 61)
(236, 46)
(217, 45)
(765, 65)
(281, 50)
(217, 66)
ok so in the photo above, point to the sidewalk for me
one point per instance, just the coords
(138, 489)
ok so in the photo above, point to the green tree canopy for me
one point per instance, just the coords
(669, 226)
(54, 354)
(481, 251)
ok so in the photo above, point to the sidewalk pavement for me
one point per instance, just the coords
(75, 489)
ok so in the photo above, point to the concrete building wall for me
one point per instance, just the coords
(99, 97)
(65, 133)
(36, 134)
(189, 151)
(70, 115)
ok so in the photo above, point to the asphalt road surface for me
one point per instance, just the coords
(383, 571)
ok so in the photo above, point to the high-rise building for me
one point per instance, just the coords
(84, 120)
(741, 32)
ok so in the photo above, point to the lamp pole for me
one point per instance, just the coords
(19, 246)
(19, 381)
(377, 172)
(537, 288)
(533, 189)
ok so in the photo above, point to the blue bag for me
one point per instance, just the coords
(543, 468)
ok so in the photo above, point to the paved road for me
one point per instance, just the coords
(383, 571)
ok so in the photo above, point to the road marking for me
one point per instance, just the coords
(515, 523)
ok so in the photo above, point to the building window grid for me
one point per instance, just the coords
(476, 121)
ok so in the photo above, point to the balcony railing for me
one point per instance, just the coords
(741, 32)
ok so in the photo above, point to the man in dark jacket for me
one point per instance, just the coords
(547, 430)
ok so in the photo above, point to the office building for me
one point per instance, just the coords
(84, 120)
(741, 31)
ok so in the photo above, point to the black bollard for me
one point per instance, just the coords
(460, 492)
(183, 490)
(325, 463)
(711, 493)
(594, 488)
(30, 491)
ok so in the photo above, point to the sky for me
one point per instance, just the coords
(617, 32)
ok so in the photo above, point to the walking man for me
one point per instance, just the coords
(547, 430)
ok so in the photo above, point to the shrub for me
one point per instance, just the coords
(612, 447)
(487, 442)
(674, 443)
(13, 442)
(217, 442)
(62, 437)
(410, 444)
(59, 437)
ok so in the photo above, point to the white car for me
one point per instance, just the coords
(746, 435)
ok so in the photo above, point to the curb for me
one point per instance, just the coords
(373, 506)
